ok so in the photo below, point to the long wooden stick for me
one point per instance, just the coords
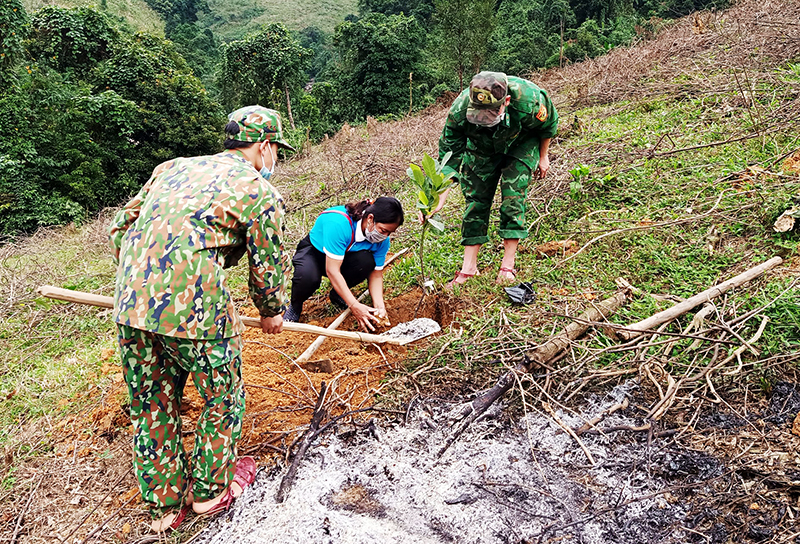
(312, 349)
(538, 356)
(681, 308)
(107, 302)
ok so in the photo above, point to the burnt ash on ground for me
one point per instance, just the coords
(505, 481)
(523, 479)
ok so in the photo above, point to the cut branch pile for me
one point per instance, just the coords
(680, 366)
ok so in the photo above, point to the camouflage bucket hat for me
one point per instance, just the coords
(256, 124)
(487, 91)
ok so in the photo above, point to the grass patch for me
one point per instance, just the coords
(135, 14)
(50, 352)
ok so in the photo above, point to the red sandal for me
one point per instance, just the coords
(501, 279)
(452, 283)
(244, 475)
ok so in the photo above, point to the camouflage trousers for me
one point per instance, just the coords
(479, 180)
(156, 368)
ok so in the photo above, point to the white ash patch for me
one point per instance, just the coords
(414, 329)
(488, 488)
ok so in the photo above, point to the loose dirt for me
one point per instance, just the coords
(280, 395)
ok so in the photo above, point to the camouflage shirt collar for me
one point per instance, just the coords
(236, 156)
(506, 121)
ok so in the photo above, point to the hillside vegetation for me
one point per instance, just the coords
(135, 13)
(392, 58)
(673, 159)
(232, 20)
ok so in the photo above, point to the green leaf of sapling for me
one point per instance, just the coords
(444, 161)
(417, 176)
(436, 223)
(429, 165)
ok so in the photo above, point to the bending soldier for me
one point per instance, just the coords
(499, 131)
(175, 314)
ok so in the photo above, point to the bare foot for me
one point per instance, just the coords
(163, 524)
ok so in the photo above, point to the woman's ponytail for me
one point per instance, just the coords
(356, 209)
(385, 209)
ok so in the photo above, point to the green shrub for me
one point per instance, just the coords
(90, 116)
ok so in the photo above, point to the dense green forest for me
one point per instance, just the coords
(89, 106)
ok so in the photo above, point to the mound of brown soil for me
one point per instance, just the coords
(281, 394)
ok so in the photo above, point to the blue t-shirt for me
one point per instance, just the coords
(334, 230)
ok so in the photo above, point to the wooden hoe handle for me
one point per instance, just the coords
(107, 302)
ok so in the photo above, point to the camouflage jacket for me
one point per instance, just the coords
(530, 118)
(173, 240)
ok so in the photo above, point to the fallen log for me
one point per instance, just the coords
(535, 358)
(632, 331)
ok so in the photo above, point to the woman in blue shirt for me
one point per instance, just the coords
(348, 244)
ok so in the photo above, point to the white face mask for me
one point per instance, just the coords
(496, 120)
(373, 236)
(267, 173)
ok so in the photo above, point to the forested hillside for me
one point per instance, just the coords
(93, 98)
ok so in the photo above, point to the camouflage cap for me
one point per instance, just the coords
(256, 124)
(487, 91)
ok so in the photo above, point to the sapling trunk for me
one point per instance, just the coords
(422, 253)
(422, 265)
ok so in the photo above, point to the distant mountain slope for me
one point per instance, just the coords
(232, 20)
(136, 12)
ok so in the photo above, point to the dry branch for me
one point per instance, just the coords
(102, 301)
(634, 330)
(537, 357)
(308, 437)
(593, 423)
(23, 513)
(569, 431)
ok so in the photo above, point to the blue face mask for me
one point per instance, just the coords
(265, 173)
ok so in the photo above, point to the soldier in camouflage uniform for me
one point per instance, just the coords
(499, 131)
(192, 219)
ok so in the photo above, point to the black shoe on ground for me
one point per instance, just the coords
(291, 314)
(337, 300)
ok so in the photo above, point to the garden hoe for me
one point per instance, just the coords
(399, 335)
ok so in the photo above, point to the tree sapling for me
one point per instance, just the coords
(431, 184)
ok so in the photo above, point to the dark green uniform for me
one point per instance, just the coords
(507, 154)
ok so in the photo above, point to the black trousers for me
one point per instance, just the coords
(309, 267)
